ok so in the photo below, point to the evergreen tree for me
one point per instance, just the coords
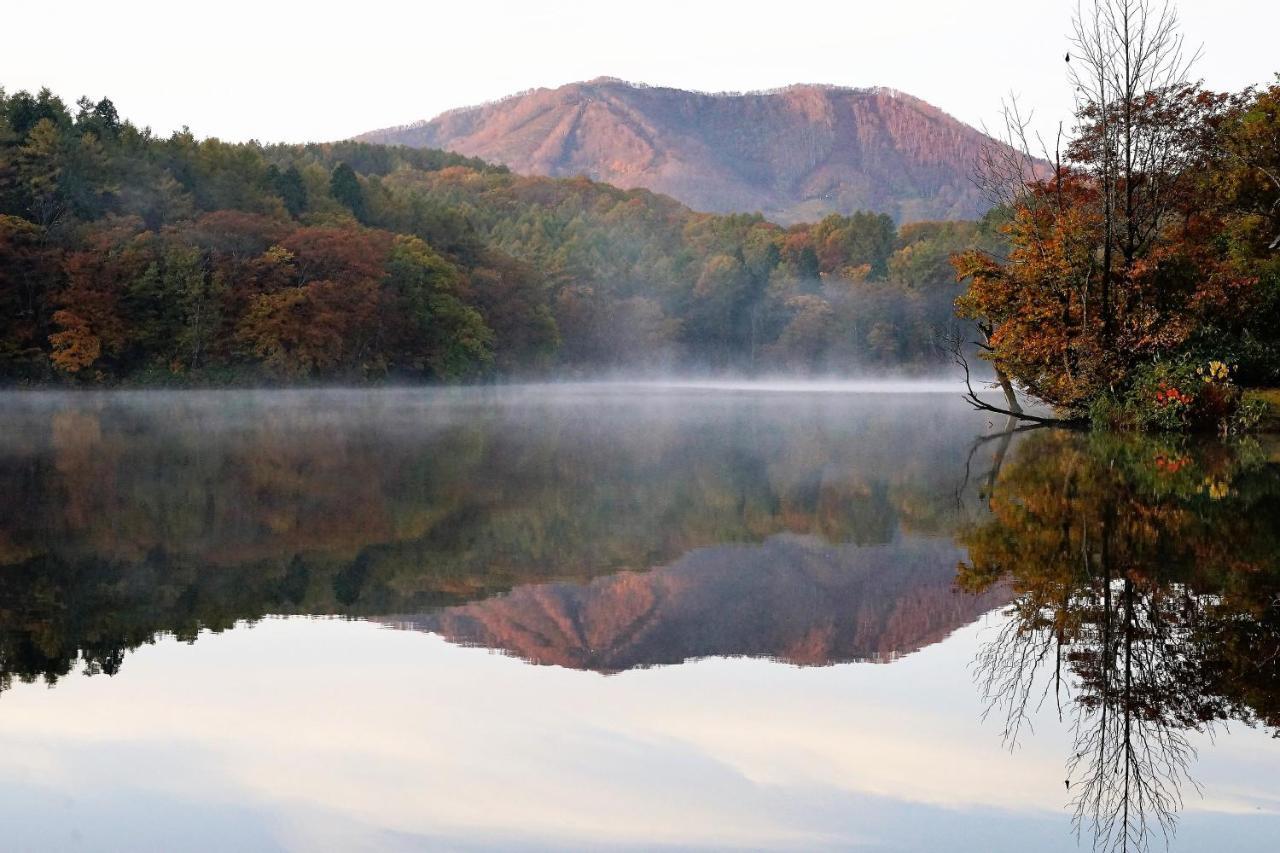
(344, 186)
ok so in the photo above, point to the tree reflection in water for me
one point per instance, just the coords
(1145, 575)
(1146, 582)
(124, 517)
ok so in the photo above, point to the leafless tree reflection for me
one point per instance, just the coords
(1145, 582)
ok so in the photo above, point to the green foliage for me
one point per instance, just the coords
(344, 186)
(22, 111)
(1186, 395)
(439, 333)
(25, 278)
(290, 187)
(142, 258)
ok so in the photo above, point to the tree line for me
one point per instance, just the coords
(128, 257)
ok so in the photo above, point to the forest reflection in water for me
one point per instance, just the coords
(1146, 606)
(609, 529)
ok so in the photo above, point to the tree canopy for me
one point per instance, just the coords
(1141, 284)
(129, 257)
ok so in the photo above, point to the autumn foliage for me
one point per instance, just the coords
(130, 258)
(1111, 289)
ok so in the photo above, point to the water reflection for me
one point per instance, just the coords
(1146, 584)
(792, 599)
(1135, 583)
(127, 515)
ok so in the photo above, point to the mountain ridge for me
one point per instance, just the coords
(606, 79)
(795, 153)
(792, 599)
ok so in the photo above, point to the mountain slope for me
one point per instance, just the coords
(791, 599)
(794, 154)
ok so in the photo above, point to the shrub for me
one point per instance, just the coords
(1187, 395)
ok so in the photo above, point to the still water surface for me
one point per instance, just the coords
(610, 616)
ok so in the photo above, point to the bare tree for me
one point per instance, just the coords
(1005, 163)
(1127, 57)
(1135, 140)
(954, 343)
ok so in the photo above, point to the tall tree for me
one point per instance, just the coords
(290, 187)
(1129, 59)
(1115, 266)
(344, 186)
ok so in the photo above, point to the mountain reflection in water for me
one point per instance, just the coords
(789, 599)
(1133, 585)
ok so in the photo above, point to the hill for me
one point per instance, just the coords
(793, 154)
(790, 598)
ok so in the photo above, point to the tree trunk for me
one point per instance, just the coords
(1011, 398)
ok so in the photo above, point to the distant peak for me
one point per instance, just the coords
(735, 93)
(606, 81)
(795, 153)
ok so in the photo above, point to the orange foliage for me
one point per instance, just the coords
(320, 327)
(1049, 328)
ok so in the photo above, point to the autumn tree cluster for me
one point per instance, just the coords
(129, 257)
(123, 255)
(1142, 260)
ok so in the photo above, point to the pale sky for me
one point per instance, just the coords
(293, 71)
(305, 734)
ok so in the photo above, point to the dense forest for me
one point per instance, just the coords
(126, 257)
(1141, 287)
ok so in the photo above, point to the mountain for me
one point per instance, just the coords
(791, 599)
(794, 154)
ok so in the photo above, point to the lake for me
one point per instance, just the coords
(629, 616)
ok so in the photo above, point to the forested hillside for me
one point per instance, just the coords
(129, 257)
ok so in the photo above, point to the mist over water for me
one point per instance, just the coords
(786, 384)
(752, 613)
(389, 406)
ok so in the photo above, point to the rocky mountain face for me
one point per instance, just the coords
(794, 154)
(791, 598)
